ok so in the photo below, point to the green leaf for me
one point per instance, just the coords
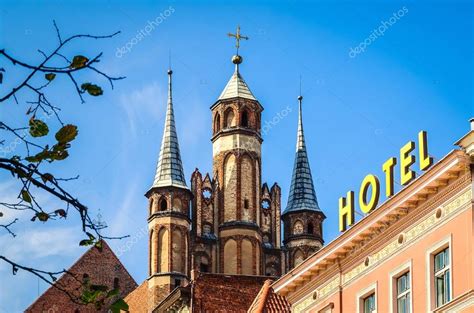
(119, 305)
(25, 196)
(38, 128)
(66, 134)
(79, 61)
(86, 242)
(45, 154)
(92, 89)
(89, 296)
(47, 177)
(59, 155)
(60, 212)
(42, 216)
(98, 245)
(49, 76)
(112, 293)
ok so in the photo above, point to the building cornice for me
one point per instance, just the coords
(399, 205)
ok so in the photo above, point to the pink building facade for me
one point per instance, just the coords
(414, 253)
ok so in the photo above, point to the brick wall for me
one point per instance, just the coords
(102, 267)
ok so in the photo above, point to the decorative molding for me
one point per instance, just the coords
(323, 291)
(411, 234)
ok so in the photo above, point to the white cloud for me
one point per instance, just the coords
(31, 244)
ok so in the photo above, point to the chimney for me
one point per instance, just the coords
(466, 143)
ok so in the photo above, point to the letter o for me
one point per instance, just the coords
(369, 181)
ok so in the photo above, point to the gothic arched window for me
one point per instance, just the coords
(244, 119)
(217, 123)
(310, 228)
(163, 205)
(151, 206)
(298, 228)
(229, 120)
(116, 283)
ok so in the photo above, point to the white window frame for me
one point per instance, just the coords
(430, 274)
(393, 276)
(372, 289)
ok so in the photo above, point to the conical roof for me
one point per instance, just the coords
(169, 171)
(302, 194)
(236, 87)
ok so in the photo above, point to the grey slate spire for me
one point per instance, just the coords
(169, 171)
(302, 195)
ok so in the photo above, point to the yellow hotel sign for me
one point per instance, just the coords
(366, 205)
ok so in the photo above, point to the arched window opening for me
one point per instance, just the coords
(151, 205)
(116, 283)
(229, 118)
(163, 205)
(217, 123)
(85, 278)
(244, 119)
(310, 228)
(297, 228)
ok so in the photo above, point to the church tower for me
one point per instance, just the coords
(168, 215)
(236, 143)
(302, 218)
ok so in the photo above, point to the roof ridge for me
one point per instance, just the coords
(78, 261)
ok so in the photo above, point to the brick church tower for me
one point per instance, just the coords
(236, 145)
(303, 219)
(168, 218)
(236, 218)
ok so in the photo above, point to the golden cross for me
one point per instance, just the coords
(237, 37)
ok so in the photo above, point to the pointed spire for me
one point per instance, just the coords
(169, 170)
(302, 195)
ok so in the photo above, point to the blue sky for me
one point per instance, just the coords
(358, 111)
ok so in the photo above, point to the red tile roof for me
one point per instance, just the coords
(267, 301)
